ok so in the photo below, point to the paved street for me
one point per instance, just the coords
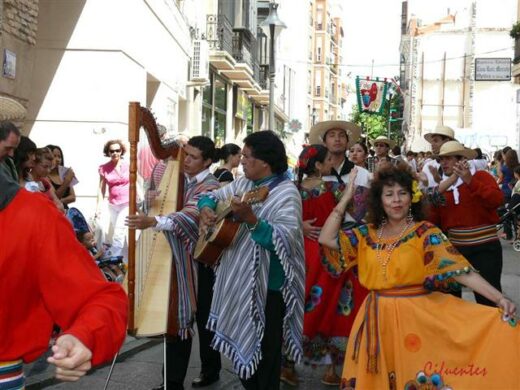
(141, 364)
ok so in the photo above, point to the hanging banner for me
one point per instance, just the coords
(371, 94)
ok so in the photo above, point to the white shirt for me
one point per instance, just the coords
(165, 222)
(426, 170)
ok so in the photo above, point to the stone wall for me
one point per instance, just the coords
(19, 18)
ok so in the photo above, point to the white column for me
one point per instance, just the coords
(230, 133)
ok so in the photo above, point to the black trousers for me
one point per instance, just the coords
(178, 351)
(487, 259)
(267, 376)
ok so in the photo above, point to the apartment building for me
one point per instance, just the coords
(328, 88)
(455, 70)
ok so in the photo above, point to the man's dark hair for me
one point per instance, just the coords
(266, 146)
(206, 147)
(396, 150)
(7, 128)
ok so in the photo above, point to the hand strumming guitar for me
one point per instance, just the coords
(242, 211)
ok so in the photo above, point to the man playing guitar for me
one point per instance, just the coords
(259, 286)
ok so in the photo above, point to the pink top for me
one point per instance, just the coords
(117, 180)
(146, 161)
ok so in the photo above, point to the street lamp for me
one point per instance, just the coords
(272, 26)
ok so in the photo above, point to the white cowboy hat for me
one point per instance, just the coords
(440, 130)
(11, 110)
(317, 132)
(455, 148)
(383, 139)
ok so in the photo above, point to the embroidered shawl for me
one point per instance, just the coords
(237, 313)
(182, 239)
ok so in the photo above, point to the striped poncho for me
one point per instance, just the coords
(182, 239)
(237, 313)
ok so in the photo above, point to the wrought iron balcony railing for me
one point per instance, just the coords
(219, 33)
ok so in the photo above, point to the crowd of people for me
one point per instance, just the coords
(357, 263)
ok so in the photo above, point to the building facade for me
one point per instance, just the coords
(442, 48)
(329, 89)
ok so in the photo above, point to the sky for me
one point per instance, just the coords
(372, 31)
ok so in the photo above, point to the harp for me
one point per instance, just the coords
(151, 277)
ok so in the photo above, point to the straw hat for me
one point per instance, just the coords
(440, 130)
(317, 132)
(11, 110)
(455, 148)
(383, 139)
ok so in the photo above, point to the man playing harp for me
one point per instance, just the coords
(181, 229)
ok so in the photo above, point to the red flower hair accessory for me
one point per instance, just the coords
(306, 156)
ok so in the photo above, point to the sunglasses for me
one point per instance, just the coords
(114, 151)
(379, 145)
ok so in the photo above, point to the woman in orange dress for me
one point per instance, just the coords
(406, 335)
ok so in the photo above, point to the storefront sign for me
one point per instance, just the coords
(492, 69)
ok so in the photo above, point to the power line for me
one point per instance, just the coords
(397, 64)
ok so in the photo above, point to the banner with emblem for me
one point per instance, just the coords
(371, 94)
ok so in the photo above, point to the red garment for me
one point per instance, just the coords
(49, 277)
(331, 302)
(478, 203)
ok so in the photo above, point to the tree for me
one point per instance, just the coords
(374, 125)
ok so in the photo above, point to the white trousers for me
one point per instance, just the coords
(117, 235)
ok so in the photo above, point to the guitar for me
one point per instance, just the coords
(221, 235)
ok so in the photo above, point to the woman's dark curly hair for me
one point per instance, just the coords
(113, 142)
(308, 158)
(388, 176)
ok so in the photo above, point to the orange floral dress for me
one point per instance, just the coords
(408, 336)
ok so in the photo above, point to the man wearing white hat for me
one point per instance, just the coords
(338, 137)
(436, 138)
(382, 146)
(467, 212)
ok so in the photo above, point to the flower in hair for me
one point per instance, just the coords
(416, 192)
(311, 152)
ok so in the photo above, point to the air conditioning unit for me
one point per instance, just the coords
(200, 61)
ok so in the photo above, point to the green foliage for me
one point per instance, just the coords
(374, 125)
(515, 30)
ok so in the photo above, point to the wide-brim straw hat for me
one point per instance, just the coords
(440, 130)
(383, 139)
(317, 132)
(455, 148)
(11, 110)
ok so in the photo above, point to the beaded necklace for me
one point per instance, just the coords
(389, 248)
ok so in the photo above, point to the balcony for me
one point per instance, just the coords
(219, 33)
(244, 50)
(263, 80)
